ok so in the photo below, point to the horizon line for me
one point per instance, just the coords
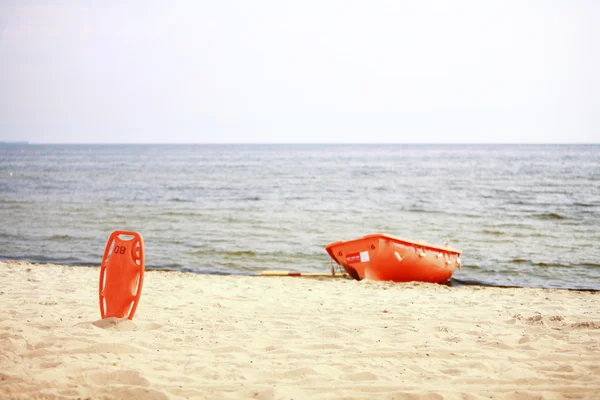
(25, 142)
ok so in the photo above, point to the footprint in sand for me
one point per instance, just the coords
(111, 323)
(586, 325)
(124, 377)
(360, 376)
(118, 324)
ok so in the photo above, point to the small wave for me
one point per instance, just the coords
(550, 216)
(362, 173)
(538, 264)
(590, 265)
(417, 210)
(60, 238)
(181, 214)
(547, 265)
(492, 232)
(42, 259)
(420, 210)
(471, 267)
(530, 235)
(12, 202)
(519, 202)
(476, 282)
(241, 253)
(238, 253)
(179, 200)
(252, 198)
(585, 205)
(89, 264)
(210, 271)
(165, 267)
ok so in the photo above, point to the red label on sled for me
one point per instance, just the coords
(353, 258)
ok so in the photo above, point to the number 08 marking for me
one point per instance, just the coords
(120, 250)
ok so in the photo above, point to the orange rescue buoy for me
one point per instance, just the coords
(121, 275)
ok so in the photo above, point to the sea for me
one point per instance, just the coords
(522, 215)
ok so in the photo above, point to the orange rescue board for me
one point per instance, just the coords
(387, 258)
(121, 275)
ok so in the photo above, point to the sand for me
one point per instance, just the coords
(234, 337)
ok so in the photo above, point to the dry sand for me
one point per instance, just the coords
(217, 337)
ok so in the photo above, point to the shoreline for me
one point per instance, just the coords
(240, 336)
(453, 282)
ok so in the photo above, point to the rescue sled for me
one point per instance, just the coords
(387, 258)
(121, 275)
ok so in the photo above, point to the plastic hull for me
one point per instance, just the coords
(386, 258)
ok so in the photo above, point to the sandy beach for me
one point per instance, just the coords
(217, 337)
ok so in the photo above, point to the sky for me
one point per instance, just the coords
(326, 71)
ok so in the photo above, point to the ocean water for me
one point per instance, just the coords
(523, 215)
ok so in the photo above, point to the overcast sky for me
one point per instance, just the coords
(300, 71)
